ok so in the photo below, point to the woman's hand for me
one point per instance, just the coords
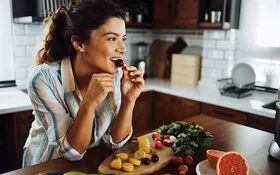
(100, 85)
(132, 82)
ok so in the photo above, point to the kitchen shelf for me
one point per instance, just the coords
(229, 10)
(210, 25)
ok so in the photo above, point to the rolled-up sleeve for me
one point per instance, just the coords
(112, 145)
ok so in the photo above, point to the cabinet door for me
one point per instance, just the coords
(224, 113)
(22, 125)
(262, 123)
(186, 13)
(163, 13)
(170, 108)
(142, 113)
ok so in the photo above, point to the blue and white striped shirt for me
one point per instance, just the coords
(55, 100)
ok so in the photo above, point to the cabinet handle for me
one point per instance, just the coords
(222, 113)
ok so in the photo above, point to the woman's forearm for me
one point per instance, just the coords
(80, 133)
(122, 125)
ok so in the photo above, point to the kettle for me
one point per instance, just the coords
(274, 147)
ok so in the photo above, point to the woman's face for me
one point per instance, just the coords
(106, 42)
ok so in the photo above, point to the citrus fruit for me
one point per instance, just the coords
(213, 156)
(232, 163)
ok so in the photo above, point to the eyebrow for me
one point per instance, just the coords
(112, 33)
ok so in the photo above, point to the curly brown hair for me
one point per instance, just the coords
(79, 19)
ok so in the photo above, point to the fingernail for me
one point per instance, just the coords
(133, 79)
(131, 73)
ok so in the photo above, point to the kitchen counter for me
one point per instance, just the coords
(15, 100)
(210, 94)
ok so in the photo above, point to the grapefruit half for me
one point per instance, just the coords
(213, 156)
(232, 163)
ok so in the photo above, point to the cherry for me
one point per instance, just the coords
(145, 161)
(155, 158)
(119, 63)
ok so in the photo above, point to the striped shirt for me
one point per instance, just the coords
(55, 101)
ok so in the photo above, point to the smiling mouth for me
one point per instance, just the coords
(119, 62)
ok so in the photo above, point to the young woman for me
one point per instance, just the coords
(80, 98)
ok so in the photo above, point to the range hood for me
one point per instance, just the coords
(24, 12)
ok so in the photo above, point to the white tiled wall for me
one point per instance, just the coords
(217, 55)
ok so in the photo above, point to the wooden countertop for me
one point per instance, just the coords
(251, 143)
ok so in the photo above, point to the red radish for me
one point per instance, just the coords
(167, 142)
(155, 135)
(188, 159)
(183, 169)
(158, 139)
(176, 160)
(167, 136)
(158, 144)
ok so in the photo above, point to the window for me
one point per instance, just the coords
(6, 43)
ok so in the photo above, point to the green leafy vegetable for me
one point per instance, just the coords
(189, 137)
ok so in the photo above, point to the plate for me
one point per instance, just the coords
(204, 168)
(243, 74)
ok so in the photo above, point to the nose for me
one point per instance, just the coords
(121, 49)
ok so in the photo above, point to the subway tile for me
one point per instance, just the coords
(215, 54)
(21, 72)
(31, 51)
(33, 29)
(21, 83)
(24, 61)
(24, 40)
(207, 63)
(19, 51)
(18, 29)
(221, 64)
(209, 44)
(216, 34)
(223, 44)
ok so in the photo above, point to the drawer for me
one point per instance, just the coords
(225, 113)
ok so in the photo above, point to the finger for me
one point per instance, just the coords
(136, 73)
(138, 80)
(129, 68)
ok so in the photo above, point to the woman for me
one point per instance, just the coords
(80, 97)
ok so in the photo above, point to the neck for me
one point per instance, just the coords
(82, 73)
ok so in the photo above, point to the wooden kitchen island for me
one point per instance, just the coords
(228, 136)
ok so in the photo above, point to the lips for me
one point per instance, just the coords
(118, 62)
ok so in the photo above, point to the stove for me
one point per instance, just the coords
(236, 92)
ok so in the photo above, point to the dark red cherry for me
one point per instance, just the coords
(155, 158)
(119, 63)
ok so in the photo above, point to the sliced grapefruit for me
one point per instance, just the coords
(232, 163)
(213, 156)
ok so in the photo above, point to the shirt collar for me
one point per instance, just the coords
(67, 76)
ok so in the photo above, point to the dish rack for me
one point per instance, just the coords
(228, 88)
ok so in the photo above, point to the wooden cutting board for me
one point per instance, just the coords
(165, 154)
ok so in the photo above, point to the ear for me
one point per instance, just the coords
(77, 44)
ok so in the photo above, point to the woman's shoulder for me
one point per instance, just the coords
(44, 71)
